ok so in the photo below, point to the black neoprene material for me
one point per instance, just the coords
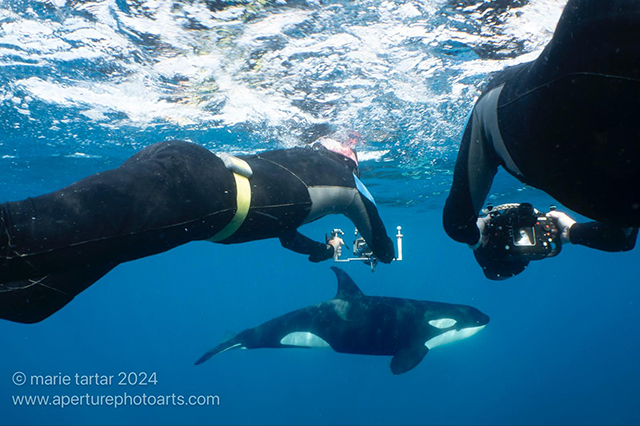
(166, 195)
(603, 237)
(459, 215)
(297, 242)
(569, 123)
(54, 246)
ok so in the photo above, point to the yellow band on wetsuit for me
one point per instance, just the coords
(241, 172)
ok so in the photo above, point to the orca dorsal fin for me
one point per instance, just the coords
(347, 289)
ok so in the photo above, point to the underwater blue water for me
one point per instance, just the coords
(562, 344)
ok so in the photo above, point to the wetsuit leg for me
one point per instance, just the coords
(33, 300)
(166, 195)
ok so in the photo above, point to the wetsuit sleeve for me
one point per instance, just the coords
(364, 215)
(603, 237)
(473, 175)
(298, 243)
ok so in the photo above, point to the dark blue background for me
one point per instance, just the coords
(561, 347)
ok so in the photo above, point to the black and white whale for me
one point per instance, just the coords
(354, 323)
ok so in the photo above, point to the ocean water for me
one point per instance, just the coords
(85, 84)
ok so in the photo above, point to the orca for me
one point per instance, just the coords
(354, 323)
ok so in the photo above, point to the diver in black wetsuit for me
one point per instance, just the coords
(54, 246)
(566, 123)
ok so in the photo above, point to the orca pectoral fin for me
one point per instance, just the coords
(407, 358)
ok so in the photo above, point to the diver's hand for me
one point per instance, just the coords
(336, 243)
(385, 251)
(482, 241)
(564, 224)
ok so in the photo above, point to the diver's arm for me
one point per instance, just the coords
(603, 237)
(595, 235)
(473, 175)
(364, 215)
(298, 243)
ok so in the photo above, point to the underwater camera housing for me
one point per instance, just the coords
(518, 232)
(362, 251)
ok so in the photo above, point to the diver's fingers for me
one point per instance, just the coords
(336, 243)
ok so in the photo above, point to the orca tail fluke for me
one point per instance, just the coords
(222, 347)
